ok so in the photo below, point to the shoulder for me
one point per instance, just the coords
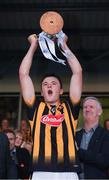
(19, 149)
(102, 133)
(3, 137)
(79, 132)
(22, 151)
(102, 130)
(74, 107)
(34, 107)
(68, 100)
(78, 136)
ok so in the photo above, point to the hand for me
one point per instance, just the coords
(64, 42)
(33, 40)
(65, 39)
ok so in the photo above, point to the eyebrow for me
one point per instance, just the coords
(48, 82)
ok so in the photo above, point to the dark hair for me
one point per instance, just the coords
(52, 75)
(4, 118)
(9, 131)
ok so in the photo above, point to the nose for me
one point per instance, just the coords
(88, 108)
(49, 85)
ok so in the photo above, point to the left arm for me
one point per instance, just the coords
(76, 79)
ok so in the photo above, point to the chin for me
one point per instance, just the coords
(50, 102)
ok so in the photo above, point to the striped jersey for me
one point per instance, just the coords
(53, 129)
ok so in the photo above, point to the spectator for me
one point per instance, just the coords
(25, 129)
(20, 156)
(93, 142)
(19, 140)
(23, 124)
(53, 122)
(4, 124)
(106, 124)
(7, 167)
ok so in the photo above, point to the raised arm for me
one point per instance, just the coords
(76, 79)
(27, 87)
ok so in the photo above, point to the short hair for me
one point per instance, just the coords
(93, 98)
(52, 75)
(9, 131)
(18, 131)
(5, 118)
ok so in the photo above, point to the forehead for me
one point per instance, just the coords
(5, 120)
(10, 134)
(23, 122)
(50, 79)
(18, 134)
(90, 102)
(107, 122)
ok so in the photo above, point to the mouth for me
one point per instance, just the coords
(50, 92)
(88, 113)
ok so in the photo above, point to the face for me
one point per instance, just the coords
(11, 139)
(51, 90)
(18, 140)
(107, 125)
(23, 124)
(5, 124)
(91, 111)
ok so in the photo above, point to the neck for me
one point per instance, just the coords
(89, 126)
(54, 103)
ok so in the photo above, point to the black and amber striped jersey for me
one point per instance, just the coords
(53, 129)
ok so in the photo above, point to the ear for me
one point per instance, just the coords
(41, 93)
(100, 112)
(61, 91)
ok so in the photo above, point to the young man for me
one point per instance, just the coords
(53, 122)
(93, 142)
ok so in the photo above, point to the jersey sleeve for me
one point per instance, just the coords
(32, 109)
(75, 108)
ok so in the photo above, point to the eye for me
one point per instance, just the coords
(84, 107)
(54, 83)
(44, 84)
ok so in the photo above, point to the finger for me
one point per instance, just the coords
(32, 36)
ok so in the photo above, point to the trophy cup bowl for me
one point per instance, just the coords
(51, 22)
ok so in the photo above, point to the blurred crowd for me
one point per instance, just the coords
(20, 148)
(23, 137)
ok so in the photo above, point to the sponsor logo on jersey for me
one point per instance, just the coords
(52, 120)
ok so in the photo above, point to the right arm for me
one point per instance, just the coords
(27, 87)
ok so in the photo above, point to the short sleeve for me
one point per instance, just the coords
(75, 108)
(31, 109)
